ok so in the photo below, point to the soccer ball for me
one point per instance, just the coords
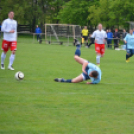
(19, 75)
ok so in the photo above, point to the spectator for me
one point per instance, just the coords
(123, 36)
(38, 32)
(116, 39)
(109, 38)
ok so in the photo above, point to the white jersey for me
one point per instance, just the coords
(99, 36)
(8, 25)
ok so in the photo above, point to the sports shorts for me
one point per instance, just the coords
(85, 76)
(9, 44)
(100, 48)
(85, 37)
(130, 51)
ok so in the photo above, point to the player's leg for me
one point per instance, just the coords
(13, 48)
(74, 80)
(3, 55)
(98, 54)
(79, 59)
(128, 55)
(86, 39)
(102, 50)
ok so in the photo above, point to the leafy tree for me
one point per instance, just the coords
(76, 12)
(111, 12)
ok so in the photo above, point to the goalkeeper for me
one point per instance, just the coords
(84, 35)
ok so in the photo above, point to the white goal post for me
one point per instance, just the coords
(61, 33)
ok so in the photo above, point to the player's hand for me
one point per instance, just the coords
(95, 41)
(84, 71)
(88, 83)
(12, 31)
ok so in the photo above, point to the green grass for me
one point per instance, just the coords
(38, 105)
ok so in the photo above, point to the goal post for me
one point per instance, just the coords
(61, 33)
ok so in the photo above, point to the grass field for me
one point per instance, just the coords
(38, 105)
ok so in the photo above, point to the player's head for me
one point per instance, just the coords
(116, 30)
(109, 30)
(11, 14)
(36, 25)
(85, 27)
(94, 74)
(100, 27)
(124, 30)
(131, 31)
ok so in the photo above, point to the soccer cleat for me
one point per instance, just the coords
(58, 79)
(10, 68)
(2, 66)
(127, 60)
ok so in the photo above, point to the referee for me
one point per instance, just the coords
(84, 35)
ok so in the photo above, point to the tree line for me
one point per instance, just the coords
(111, 13)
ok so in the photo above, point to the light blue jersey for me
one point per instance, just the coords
(130, 41)
(93, 67)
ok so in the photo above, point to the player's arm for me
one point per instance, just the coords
(125, 39)
(105, 37)
(5, 29)
(93, 36)
(84, 67)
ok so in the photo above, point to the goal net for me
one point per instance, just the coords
(61, 33)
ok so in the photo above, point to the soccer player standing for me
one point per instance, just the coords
(100, 39)
(129, 40)
(9, 27)
(84, 35)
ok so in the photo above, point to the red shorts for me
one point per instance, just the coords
(9, 44)
(100, 48)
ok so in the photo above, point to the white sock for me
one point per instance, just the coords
(98, 59)
(11, 59)
(3, 56)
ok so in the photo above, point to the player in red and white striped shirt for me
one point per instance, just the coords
(9, 27)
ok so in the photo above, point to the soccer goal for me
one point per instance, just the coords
(61, 33)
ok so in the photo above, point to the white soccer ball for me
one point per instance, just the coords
(19, 75)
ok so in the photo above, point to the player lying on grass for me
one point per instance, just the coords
(90, 70)
(129, 40)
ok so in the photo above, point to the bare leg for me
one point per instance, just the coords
(77, 79)
(79, 59)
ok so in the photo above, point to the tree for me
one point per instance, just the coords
(76, 12)
(111, 12)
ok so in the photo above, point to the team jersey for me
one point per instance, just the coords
(99, 36)
(8, 25)
(130, 41)
(84, 32)
(93, 67)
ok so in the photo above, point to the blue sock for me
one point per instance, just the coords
(68, 81)
(128, 56)
(78, 51)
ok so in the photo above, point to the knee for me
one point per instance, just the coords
(76, 57)
(73, 81)
(13, 52)
(102, 55)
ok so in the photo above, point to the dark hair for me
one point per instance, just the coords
(94, 73)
